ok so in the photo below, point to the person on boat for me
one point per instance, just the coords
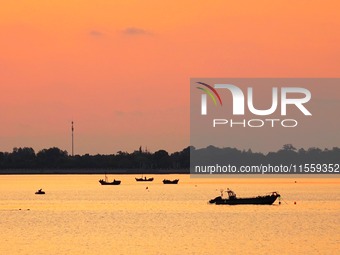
(231, 194)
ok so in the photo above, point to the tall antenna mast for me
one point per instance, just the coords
(72, 139)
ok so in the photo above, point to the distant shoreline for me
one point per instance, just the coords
(92, 171)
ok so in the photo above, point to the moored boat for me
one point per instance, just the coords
(165, 181)
(40, 192)
(144, 179)
(106, 182)
(114, 182)
(233, 200)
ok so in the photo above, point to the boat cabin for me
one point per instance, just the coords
(231, 194)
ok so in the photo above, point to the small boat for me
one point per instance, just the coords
(144, 179)
(165, 181)
(114, 182)
(40, 192)
(106, 182)
(233, 200)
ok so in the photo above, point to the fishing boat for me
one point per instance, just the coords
(106, 182)
(40, 192)
(233, 200)
(144, 179)
(165, 181)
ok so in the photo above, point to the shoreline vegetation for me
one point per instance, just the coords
(88, 171)
(56, 161)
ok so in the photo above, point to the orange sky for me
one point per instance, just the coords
(121, 69)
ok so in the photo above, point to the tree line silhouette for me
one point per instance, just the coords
(288, 154)
(55, 158)
(144, 161)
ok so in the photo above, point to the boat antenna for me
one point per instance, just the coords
(72, 129)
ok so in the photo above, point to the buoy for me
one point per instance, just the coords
(294, 203)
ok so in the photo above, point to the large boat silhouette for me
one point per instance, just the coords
(233, 200)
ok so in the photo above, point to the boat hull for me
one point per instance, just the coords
(144, 180)
(171, 182)
(260, 200)
(115, 182)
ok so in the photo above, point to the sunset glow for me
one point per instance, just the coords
(121, 69)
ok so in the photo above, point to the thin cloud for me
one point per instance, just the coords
(134, 31)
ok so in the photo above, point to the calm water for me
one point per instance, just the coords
(79, 216)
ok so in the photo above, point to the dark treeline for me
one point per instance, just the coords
(288, 154)
(55, 158)
(144, 161)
